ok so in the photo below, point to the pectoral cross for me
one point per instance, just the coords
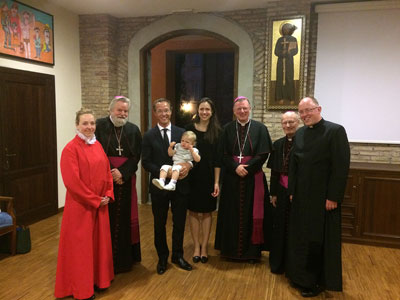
(240, 158)
(119, 149)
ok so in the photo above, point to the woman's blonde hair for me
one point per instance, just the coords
(83, 111)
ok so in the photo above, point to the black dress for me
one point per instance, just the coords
(202, 175)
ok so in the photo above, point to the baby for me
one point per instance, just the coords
(183, 152)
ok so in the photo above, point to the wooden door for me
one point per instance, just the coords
(28, 154)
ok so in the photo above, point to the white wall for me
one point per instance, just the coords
(358, 68)
(67, 76)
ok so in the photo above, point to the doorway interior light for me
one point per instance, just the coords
(187, 106)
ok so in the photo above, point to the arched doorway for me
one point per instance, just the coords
(174, 26)
(186, 68)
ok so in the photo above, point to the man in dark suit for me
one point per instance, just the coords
(155, 154)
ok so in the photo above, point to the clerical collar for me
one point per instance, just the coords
(289, 138)
(167, 127)
(243, 124)
(316, 124)
(87, 140)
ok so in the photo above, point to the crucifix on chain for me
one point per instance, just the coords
(241, 147)
(119, 149)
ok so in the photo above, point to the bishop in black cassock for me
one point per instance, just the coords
(121, 141)
(318, 171)
(245, 144)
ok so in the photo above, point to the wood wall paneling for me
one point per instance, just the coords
(371, 206)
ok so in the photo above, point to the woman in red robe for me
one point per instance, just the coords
(85, 253)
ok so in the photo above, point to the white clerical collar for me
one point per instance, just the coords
(243, 124)
(312, 126)
(161, 128)
(87, 140)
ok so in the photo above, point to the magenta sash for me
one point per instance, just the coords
(257, 236)
(117, 161)
(284, 181)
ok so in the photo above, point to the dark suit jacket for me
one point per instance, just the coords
(155, 154)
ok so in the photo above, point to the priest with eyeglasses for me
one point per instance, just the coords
(318, 169)
(121, 141)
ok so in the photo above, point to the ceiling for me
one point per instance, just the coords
(134, 8)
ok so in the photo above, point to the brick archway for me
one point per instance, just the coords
(175, 25)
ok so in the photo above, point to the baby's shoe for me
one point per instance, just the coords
(170, 187)
(158, 183)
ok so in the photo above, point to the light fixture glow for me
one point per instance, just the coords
(186, 107)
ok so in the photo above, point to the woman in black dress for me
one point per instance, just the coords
(204, 177)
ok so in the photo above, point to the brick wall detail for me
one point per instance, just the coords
(104, 43)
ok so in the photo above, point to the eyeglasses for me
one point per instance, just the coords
(288, 122)
(307, 110)
(161, 111)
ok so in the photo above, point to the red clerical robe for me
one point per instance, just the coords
(85, 253)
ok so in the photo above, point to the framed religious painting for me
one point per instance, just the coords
(285, 62)
(27, 33)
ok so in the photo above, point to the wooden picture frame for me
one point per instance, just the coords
(285, 75)
(26, 33)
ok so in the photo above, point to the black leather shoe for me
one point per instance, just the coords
(313, 292)
(196, 259)
(97, 289)
(204, 259)
(182, 263)
(91, 298)
(161, 266)
(295, 285)
(279, 272)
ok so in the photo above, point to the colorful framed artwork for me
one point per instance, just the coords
(285, 62)
(26, 33)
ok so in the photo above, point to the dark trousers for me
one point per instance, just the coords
(160, 207)
(278, 247)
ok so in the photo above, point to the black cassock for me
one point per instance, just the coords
(318, 171)
(278, 163)
(126, 248)
(235, 214)
(285, 88)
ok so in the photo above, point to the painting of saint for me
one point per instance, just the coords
(286, 59)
